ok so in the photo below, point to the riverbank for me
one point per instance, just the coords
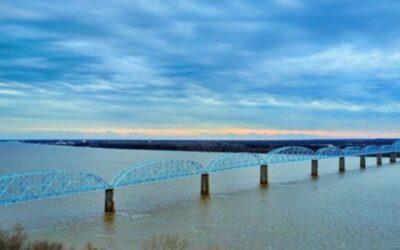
(251, 146)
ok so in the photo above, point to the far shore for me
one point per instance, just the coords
(250, 146)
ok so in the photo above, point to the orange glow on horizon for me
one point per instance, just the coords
(222, 132)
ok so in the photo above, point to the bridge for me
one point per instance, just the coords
(15, 188)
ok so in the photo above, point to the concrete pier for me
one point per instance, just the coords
(109, 205)
(342, 164)
(314, 168)
(392, 157)
(379, 159)
(264, 175)
(362, 161)
(205, 185)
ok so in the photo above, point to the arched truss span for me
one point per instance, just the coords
(352, 151)
(152, 171)
(369, 150)
(286, 154)
(43, 185)
(385, 149)
(396, 146)
(328, 152)
(234, 160)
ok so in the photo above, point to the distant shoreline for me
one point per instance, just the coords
(250, 146)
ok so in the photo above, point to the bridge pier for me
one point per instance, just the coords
(109, 206)
(379, 159)
(362, 161)
(314, 168)
(264, 175)
(342, 164)
(393, 157)
(205, 185)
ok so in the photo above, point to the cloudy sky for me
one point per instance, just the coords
(199, 69)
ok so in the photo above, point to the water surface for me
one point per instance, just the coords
(358, 209)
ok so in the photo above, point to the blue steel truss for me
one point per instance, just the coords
(42, 185)
(352, 151)
(371, 149)
(385, 149)
(396, 146)
(234, 160)
(328, 152)
(152, 171)
(287, 154)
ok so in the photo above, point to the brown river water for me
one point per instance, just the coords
(355, 210)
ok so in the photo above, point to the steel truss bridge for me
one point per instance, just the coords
(15, 188)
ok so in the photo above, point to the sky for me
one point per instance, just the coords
(142, 69)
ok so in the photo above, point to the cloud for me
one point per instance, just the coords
(305, 66)
(291, 4)
(342, 59)
(11, 92)
(323, 105)
(39, 63)
(91, 87)
(8, 11)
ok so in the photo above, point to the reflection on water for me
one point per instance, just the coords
(109, 220)
(357, 209)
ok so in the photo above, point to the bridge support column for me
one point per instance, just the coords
(314, 168)
(392, 157)
(342, 164)
(109, 206)
(362, 161)
(205, 185)
(379, 159)
(264, 175)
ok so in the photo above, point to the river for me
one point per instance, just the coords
(358, 209)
